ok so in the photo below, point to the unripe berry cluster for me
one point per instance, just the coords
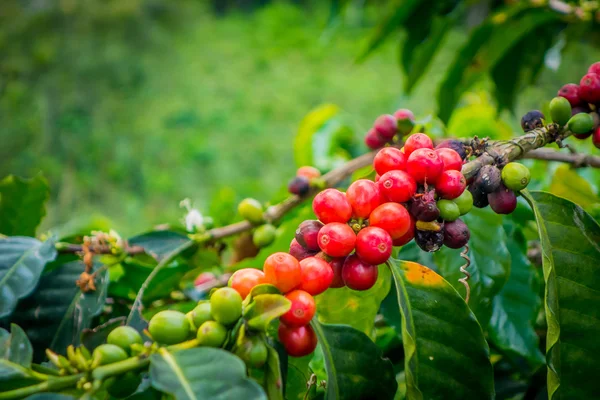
(387, 127)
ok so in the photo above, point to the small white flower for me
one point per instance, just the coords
(193, 220)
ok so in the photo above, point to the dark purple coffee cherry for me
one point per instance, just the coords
(531, 120)
(456, 234)
(580, 109)
(455, 145)
(307, 234)
(429, 241)
(300, 185)
(503, 200)
(299, 252)
(480, 198)
(488, 179)
(424, 207)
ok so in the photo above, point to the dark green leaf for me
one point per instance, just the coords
(264, 309)
(16, 347)
(298, 374)
(447, 356)
(22, 261)
(58, 312)
(273, 378)
(202, 373)
(515, 308)
(355, 308)
(354, 364)
(159, 243)
(50, 396)
(570, 241)
(92, 338)
(22, 204)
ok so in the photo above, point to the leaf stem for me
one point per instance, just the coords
(47, 386)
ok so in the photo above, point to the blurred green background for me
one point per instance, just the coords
(129, 106)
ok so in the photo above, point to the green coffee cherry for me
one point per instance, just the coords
(107, 354)
(253, 351)
(264, 235)
(201, 313)
(226, 305)
(251, 210)
(212, 334)
(169, 327)
(449, 210)
(515, 176)
(581, 123)
(464, 202)
(560, 110)
(124, 337)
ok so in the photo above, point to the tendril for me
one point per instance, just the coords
(463, 269)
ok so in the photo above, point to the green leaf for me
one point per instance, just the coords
(16, 347)
(22, 261)
(202, 373)
(515, 308)
(297, 377)
(22, 204)
(567, 183)
(58, 311)
(159, 243)
(310, 125)
(264, 308)
(447, 356)
(354, 364)
(273, 378)
(490, 261)
(355, 308)
(50, 396)
(570, 241)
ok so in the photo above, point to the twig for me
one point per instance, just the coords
(68, 248)
(578, 160)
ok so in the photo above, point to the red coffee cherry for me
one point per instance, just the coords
(589, 88)
(450, 158)
(408, 236)
(298, 341)
(570, 91)
(331, 205)
(417, 141)
(405, 113)
(317, 275)
(456, 234)
(406, 121)
(245, 279)
(596, 136)
(373, 245)
(374, 140)
(337, 239)
(307, 234)
(308, 172)
(424, 165)
(450, 184)
(357, 274)
(594, 68)
(389, 159)
(363, 196)
(302, 311)
(386, 125)
(397, 186)
(392, 218)
(503, 200)
(299, 252)
(336, 265)
(455, 145)
(283, 271)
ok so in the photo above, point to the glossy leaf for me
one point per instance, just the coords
(310, 125)
(264, 309)
(515, 308)
(570, 240)
(159, 243)
(58, 312)
(354, 308)
(22, 204)
(298, 374)
(273, 378)
(22, 261)
(447, 356)
(567, 183)
(490, 261)
(202, 373)
(15, 346)
(354, 364)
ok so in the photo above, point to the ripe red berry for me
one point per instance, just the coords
(299, 252)
(307, 234)
(424, 165)
(450, 158)
(570, 91)
(317, 275)
(503, 200)
(386, 125)
(594, 68)
(589, 88)
(404, 113)
(596, 137)
(245, 279)
(298, 341)
(373, 245)
(417, 141)
(456, 234)
(389, 159)
(397, 186)
(408, 236)
(406, 121)
(357, 274)
(363, 196)
(450, 184)
(392, 218)
(302, 310)
(336, 266)
(374, 140)
(331, 205)
(299, 185)
(455, 145)
(337, 239)
(283, 271)
(308, 172)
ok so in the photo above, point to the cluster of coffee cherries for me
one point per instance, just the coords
(388, 127)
